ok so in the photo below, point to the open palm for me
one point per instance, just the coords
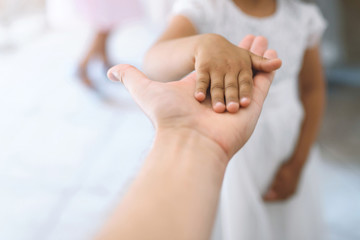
(172, 105)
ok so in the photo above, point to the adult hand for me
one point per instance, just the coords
(171, 105)
(178, 187)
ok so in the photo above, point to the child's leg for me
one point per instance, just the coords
(97, 50)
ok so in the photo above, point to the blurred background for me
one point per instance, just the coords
(68, 151)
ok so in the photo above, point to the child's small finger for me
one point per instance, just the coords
(245, 87)
(231, 93)
(217, 92)
(202, 84)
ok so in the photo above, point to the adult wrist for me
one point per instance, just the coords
(191, 143)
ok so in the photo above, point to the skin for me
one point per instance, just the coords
(222, 67)
(97, 50)
(179, 46)
(257, 8)
(176, 192)
(312, 94)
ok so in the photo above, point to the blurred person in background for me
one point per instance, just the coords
(104, 16)
(268, 193)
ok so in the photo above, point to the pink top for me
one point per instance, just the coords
(106, 14)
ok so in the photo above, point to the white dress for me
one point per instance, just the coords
(243, 215)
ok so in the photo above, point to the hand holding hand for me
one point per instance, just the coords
(228, 71)
(171, 106)
(188, 159)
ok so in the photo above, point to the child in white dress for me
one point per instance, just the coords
(269, 192)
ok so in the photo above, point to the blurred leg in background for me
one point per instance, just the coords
(97, 50)
(104, 16)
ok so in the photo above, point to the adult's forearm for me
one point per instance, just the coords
(176, 193)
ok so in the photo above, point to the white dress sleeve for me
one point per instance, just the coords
(199, 12)
(315, 25)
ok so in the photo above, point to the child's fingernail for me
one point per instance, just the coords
(232, 106)
(244, 101)
(219, 106)
(200, 96)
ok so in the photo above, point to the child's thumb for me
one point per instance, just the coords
(264, 64)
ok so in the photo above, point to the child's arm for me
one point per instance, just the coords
(172, 56)
(221, 66)
(312, 92)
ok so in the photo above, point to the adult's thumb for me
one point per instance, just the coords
(134, 80)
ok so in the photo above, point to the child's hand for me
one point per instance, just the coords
(285, 182)
(228, 71)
